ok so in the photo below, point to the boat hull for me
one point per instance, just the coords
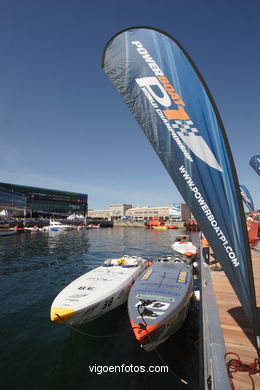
(158, 302)
(184, 248)
(95, 293)
(160, 227)
(7, 232)
(171, 325)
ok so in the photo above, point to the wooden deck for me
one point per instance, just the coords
(236, 330)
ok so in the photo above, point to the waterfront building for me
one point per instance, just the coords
(99, 214)
(39, 202)
(114, 212)
(12, 203)
(144, 213)
(119, 210)
(140, 213)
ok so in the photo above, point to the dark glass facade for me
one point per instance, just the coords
(46, 201)
(12, 202)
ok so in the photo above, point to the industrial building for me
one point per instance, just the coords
(41, 202)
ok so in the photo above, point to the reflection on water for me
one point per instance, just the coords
(29, 251)
(38, 354)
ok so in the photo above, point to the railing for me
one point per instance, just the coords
(215, 376)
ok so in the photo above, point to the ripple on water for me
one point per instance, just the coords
(39, 354)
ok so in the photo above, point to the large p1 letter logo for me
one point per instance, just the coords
(153, 87)
(165, 94)
(148, 83)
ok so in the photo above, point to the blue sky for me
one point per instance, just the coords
(63, 124)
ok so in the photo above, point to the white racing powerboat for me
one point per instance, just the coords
(98, 291)
(159, 301)
(183, 248)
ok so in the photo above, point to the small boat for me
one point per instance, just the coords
(192, 225)
(98, 291)
(160, 227)
(79, 227)
(7, 232)
(56, 226)
(156, 222)
(32, 228)
(184, 248)
(92, 226)
(19, 229)
(158, 302)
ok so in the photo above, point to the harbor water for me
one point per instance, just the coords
(38, 354)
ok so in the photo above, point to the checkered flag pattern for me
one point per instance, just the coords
(186, 128)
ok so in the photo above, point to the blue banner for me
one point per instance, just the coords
(247, 198)
(255, 163)
(171, 102)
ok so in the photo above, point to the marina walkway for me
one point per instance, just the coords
(235, 328)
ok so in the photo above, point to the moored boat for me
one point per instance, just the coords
(184, 248)
(19, 228)
(98, 291)
(92, 226)
(34, 228)
(158, 302)
(55, 226)
(155, 223)
(160, 227)
(7, 232)
(192, 225)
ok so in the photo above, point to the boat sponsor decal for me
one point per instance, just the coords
(155, 305)
(89, 311)
(147, 274)
(161, 298)
(107, 303)
(66, 305)
(86, 288)
(158, 291)
(77, 295)
(101, 279)
(182, 277)
(94, 278)
(162, 306)
(164, 285)
(72, 299)
(151, 316)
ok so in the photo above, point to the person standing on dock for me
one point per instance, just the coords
(205, 248)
